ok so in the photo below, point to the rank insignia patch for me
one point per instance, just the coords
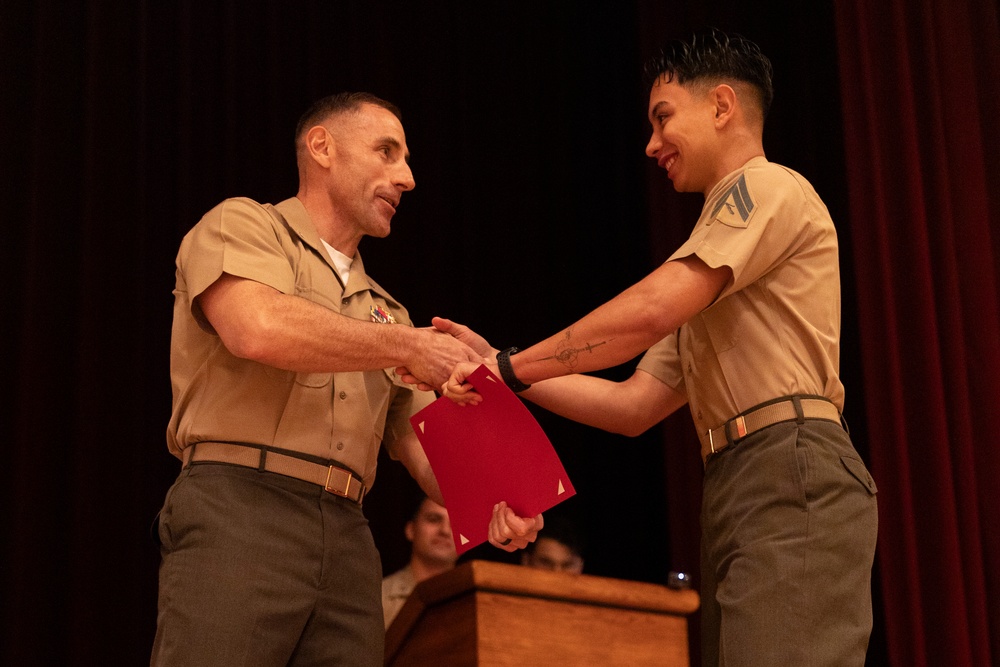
(735, 206)
(382, 316)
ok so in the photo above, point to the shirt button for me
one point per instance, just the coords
(700, 416)
(340, 446)
(343, 395)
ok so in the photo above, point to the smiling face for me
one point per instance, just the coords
(369, 170)
(684, 138)
(430, 532)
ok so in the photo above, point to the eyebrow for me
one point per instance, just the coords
(656, 108)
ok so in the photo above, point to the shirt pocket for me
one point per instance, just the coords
(721, 321)
(315, 380)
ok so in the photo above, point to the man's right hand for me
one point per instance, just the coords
(482, 352)
(436, 356)
(466, 335)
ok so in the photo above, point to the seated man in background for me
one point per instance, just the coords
(558, 548)
(432, 553)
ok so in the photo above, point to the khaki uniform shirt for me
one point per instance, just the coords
(775, 329)
(396, 589)
(220, 397)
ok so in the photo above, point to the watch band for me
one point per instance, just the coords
(507, 371)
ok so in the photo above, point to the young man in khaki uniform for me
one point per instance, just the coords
(282, 353)
(742, 323)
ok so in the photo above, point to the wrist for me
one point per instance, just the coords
(507, 370)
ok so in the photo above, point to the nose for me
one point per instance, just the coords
(404, 178)
(654, 145)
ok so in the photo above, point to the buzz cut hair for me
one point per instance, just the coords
(338, 103)
(712, 56)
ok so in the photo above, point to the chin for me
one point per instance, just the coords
(681, 186)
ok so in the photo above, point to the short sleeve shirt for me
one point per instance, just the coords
(775, 329)
(220, 397)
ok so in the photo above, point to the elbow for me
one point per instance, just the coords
(630, 432)
(630, 423)
(631, 429)
(243, 345)
(247, 348)
(251, 339)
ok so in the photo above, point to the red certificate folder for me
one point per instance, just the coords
(482, 454)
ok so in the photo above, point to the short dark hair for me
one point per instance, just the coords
(416, 506)
(337, 103)
(562, 530)
(713, 55)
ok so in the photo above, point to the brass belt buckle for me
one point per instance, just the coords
(347, 487)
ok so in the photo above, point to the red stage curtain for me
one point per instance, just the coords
(920, 104)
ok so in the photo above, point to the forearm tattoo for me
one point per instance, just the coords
(567, 355)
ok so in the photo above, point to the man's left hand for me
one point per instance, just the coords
(511, 532)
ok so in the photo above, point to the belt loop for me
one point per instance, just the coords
(190, 453)
(729, 435)
(263, 460)
(800, 417)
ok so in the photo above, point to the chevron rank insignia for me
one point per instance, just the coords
(736, 205)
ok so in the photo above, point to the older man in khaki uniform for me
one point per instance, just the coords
(282, 353)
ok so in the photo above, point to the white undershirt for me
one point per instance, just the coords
(340, 260)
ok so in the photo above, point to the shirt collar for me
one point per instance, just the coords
(298, 219)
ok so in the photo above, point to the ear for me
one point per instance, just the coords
(319, 144)
(724, 99)
(408, 530)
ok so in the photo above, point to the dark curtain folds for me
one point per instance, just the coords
(920, 98)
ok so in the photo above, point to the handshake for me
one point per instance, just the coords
(445, 355)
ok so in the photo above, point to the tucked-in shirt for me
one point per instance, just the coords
(220, 397)
(775, 329)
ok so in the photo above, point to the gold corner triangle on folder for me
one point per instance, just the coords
(561, 490)
(463, 538)
(421, 425)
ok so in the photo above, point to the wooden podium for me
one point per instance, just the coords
(487, 614)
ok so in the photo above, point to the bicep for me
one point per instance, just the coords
(689, 285)
(233, 307)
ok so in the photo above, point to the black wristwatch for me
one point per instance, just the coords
(507, 371)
